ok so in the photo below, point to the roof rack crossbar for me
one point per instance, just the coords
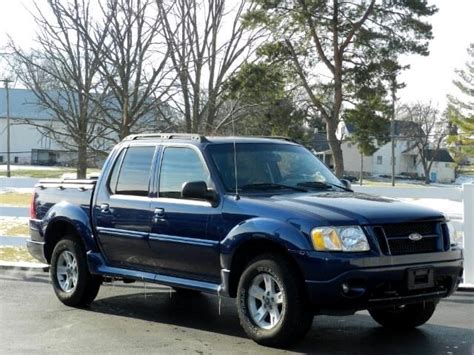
(288, 139)
(167, 136)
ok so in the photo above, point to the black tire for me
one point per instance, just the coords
(87, 286)
(405, 317)
(296, 315)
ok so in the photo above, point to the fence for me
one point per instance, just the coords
(463, 221)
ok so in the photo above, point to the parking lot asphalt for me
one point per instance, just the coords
(133, 319)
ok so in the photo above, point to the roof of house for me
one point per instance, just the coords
(441, 155)
(23, 104)
(402, 128)
(320, 142)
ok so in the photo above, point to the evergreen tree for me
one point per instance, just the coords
(461, 110)
(331, 44)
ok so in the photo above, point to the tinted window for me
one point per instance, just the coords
(180, 165)
(114, 175)
(134, 174)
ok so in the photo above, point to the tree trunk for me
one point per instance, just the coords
(426, 169)
(335, 146)
(361, 168)
(82, 162)
(125, 120)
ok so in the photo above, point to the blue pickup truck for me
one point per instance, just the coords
(261, 220)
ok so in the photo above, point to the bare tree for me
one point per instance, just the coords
(62, 72)
(134, 65)
(203, 53)
(432, 129)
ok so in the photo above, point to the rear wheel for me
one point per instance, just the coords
(272, 304)
(72, 282)
(404, 317)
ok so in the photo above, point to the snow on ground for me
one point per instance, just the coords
(18, 190)
(3, 167)
(464, 179)
(454, 209)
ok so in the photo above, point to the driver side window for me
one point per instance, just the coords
(180, 165)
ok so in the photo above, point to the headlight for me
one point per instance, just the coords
(452, 233)
(350, 238)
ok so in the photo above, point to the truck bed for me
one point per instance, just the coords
(49, 192)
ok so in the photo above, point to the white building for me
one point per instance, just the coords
(407, 162)
(27, 144)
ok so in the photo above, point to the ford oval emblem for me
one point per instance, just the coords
(415, 237)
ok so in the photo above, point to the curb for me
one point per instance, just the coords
(466, 287)
(23, 266)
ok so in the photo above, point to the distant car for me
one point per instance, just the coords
(261, 220)
(350, 178)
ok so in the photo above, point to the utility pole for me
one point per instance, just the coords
(6, 82)
(392, 126)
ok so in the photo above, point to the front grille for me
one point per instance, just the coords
(407, 246)
(393, 238)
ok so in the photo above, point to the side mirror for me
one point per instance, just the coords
(346, 183)
(198, 190)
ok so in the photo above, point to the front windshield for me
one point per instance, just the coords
(270, 165)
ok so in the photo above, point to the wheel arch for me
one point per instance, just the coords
(66, 219)
(254, 237)
(251, 249)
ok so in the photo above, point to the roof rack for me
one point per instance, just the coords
(288, 139)
(167, 136)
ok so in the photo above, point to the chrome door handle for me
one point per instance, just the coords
(104, 208)
(159, 212)
(158, 215)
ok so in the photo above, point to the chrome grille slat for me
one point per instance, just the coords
(397, 239)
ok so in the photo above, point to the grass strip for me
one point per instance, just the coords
(15, 199)
(16, 254)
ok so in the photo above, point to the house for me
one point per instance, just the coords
(442, 169)
(322, 149)
(407, 162)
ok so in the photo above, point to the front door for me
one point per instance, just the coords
(122, 210)
(180, 238)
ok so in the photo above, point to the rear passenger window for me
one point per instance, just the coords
(134, 175)
(180, 165)
(112, 185)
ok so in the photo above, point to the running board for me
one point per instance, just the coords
(97, 266)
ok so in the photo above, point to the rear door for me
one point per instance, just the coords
(122, 209)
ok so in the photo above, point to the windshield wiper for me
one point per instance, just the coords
(322, 185)
(271, 186)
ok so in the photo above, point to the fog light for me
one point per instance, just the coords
(345, 287)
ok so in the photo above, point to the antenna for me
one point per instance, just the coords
(237, 197)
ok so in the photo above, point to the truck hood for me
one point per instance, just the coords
(345, 208)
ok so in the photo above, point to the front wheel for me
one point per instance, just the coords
(271, 302)
(72, 282)
(404, 317)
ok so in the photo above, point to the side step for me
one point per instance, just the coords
(98, 266)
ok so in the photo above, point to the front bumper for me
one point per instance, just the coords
(381, 287)
(383, 283)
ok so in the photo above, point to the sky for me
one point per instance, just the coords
(428, 79)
